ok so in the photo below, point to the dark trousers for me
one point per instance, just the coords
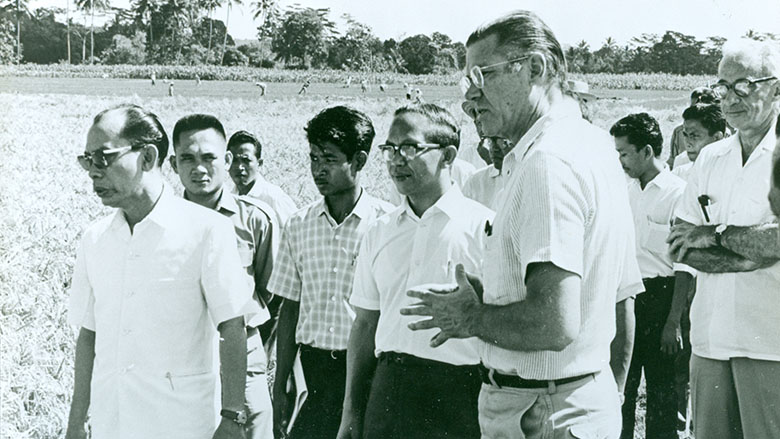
(417, 398)
(651, 309)
(326, 375)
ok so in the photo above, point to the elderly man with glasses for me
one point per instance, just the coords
(560, 249)
(151, 284)
(726, 230)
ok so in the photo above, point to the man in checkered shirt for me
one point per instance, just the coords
(315, 268)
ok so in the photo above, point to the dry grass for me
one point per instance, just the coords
(47, 202)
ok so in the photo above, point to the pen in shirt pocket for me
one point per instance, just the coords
(704, 202)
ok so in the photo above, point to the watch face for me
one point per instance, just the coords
(241, 417)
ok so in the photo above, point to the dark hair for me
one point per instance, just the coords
(704, 95)
(708, 115)
(142, 127)
(641, 129)
(521, 32)
(446, 130)
(241, 137)
(348, 129)
(199, 122)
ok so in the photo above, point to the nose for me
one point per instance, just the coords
(472, 94)
(94, 173)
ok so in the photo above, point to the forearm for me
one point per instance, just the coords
(683, 284)
(623, 344)
(82, 383)
(286, 347)
(759, 243)
(719, 260)
(232, 356)
(361, 364)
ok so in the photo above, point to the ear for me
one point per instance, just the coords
(259, 162)
(448, 156)
(149, 157)
(172, 161)
(228, 159)
(537, 65)
(359, 160)
(647, 151)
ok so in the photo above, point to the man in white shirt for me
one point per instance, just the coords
(557, 248)
(654, 193)
(702, 124)
(146, 283)
(724, 229)
(414, 389)
(699, 95)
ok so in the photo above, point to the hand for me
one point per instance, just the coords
(453, 310)
(685, 237)
(671, 338)
(350, 427)
(228, 429)
(281, 404)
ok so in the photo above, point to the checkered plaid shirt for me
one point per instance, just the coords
(316, 265)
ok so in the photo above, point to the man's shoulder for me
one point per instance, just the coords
(254, 208)
(100, 225)
(715, 150)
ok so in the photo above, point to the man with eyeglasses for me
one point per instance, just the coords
(151, 284)
(398, 386)
(724, 229)
(559, 248)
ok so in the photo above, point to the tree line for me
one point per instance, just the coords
(187, 32)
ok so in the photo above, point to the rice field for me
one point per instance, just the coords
(46, 198)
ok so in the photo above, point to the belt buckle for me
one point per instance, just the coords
(492, 379)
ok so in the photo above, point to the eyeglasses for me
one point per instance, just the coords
(476, 74)
(742, 87)
(409, 151)
(103, 158)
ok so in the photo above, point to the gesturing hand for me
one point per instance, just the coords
(453, 310)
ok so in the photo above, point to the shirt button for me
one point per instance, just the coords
(331, 329)
(332, 298)
(335, 270)
(337, 237)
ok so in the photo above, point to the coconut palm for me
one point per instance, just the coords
(90, 5)
(230, 4)
(210, 6)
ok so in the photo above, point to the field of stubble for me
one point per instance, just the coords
(46, 202)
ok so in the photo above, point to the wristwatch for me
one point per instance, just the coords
(719, 229)
(239, 417)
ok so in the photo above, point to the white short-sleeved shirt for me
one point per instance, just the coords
(484, 186)
(316, 266)
(153, 299)
(734, 314)
(653, 212)
(460, 172)
(281, 203)
(681, 159)
(401, 251)
(566, 203)
(683, 171)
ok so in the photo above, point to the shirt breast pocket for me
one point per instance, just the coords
(655, 239)
(246, 253)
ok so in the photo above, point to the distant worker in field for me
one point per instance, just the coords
(152, 284)
(382, 87)
(699, 95)
(262, 86)
(409, 91)
(201, 160)
(417, 96)
(304, 86)
(398, 385)
(197, 80)
(170, 89)
(153, 77)
(315, 268)
(703, 124)
(364, 86)
(349, 82)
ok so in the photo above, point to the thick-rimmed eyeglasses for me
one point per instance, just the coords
(742, 87)
(103, 158)
(409, 151)
(476, 75)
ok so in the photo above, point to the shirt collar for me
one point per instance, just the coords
(493, 172)
(449, 204)
(564, 109)
(767, 143)
(362, 208)
(227, 202)
(662, 180)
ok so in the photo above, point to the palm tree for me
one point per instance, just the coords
(91, 5)
(67, 21)
(21, 9)
(210, 6)
(230, 4)
(143, 10)
(262, 8)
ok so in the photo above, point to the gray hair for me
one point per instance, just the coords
(763, 57)
(520, 32)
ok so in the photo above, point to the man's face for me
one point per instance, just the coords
(119, 183)
(752, 111)
(245, 166)
(201, 161)
(634, 162)
(422, 172)
(502, 104)
(333, 173)
(697, 137)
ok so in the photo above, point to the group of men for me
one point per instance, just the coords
(507, 309)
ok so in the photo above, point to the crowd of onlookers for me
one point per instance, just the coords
(525, 299)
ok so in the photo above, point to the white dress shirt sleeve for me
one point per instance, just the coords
(365, 293)
(81, 306)
(688, 208)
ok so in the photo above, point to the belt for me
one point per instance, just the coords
(490, 376)
(412, 361)
(332, 353)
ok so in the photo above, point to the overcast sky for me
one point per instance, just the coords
(572, 21)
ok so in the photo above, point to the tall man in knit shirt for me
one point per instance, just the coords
(414, 389)
(654, 193)
(725, 229)
(557, 250)
(201, 161)
(315, 267)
